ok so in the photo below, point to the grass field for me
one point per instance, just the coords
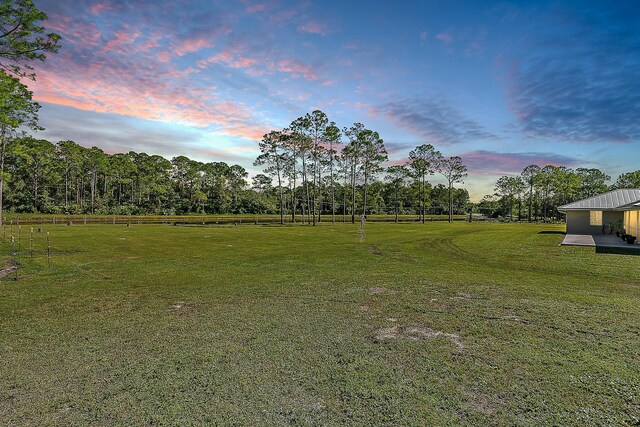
(435, 324)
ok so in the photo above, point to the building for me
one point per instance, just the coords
(593, 215)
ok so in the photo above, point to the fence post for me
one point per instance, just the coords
(15, 259)
(31, 243)
(48, 251)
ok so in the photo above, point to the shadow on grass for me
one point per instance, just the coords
(617, 250)
(551, 232)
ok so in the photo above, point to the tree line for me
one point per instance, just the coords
(338, 172)
(302, 179)
(537, 192)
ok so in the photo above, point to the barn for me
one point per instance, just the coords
(595, 214)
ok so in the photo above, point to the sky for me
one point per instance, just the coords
(503, 85)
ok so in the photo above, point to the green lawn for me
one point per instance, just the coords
(434, 324)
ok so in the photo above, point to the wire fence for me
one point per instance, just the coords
(29, 219)
(20, 244)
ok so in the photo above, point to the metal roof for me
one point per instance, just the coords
(612, 200)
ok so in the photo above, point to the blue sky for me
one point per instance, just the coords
(503, 85)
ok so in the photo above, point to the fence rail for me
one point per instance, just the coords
(203, 219)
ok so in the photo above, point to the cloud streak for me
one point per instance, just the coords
(580, 83)
(435, 121)
(483, 162)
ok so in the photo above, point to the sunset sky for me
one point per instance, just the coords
(503, 85)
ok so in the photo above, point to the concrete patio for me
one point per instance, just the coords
(598, 241)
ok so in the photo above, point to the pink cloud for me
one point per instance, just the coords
(164, 56)
(483, 162)
(158, 93)
(256, 66)
(98, 8)
(87, 32)
(123, 42)
(296, 68)
(250, 132)
(314, 27)
(445, 37)
(192, 45)
(256, 7)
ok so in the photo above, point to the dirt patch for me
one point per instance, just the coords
(387, 333)
(480, 402)
(515, 318)
(363, 307)
(375, 250)
(416, 333)
(182, 307)
(462, 295)
(376, 291)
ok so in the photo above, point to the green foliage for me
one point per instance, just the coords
(23, 39)
(628, 180)
(17, 107)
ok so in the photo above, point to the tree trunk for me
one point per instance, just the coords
(66, 187)
(423, 196)
(364, 199)
(315, 183)
(344, 195)
(450, 201)
(306, 186)
(333, 187)
(2, 154)
(396, 205)
(35, 188)
(353, 194)
(530, 201)
(280, 190)
(93, 190)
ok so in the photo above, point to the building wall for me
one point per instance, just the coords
(632, 222)
(578, 221)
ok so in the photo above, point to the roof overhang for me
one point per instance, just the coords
(629, 207)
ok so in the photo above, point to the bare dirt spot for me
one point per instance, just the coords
(363, 307)
(428, 333)
(416, 333)
(515, 318)
(480, 402)
(462, 295)
(376, 291)
(387, 333)
(182, 307)
(375, 250)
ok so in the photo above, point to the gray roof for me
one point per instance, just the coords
(612, 200)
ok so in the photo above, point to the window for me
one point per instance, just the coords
(595, 217)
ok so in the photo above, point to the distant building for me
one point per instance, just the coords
(590, 216)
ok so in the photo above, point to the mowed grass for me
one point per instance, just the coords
(434, 324)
